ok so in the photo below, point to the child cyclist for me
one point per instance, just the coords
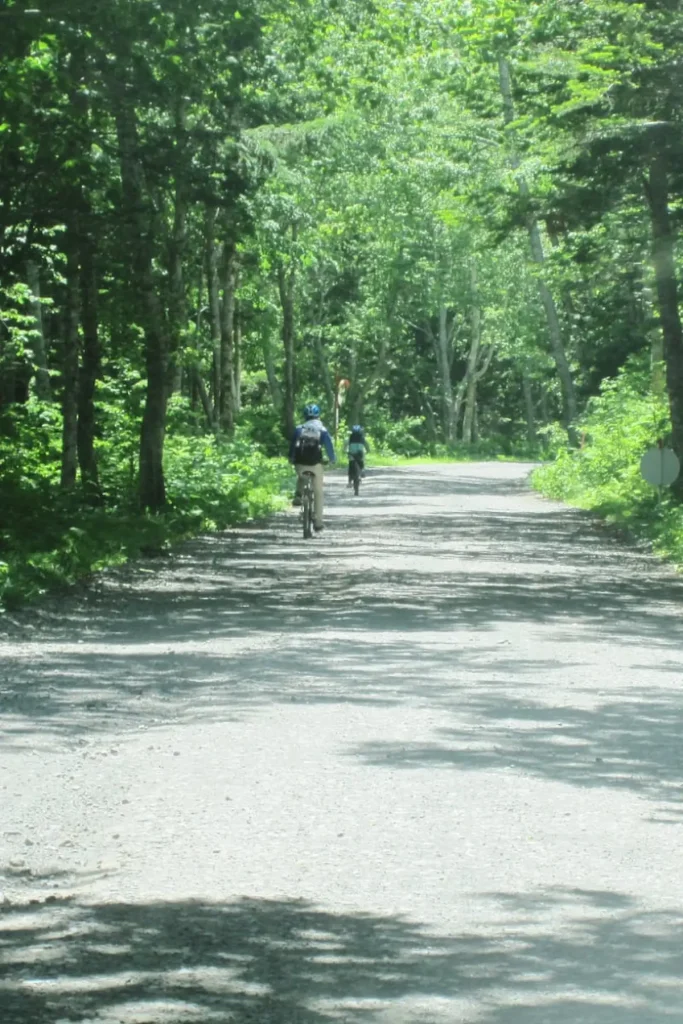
(356, 447)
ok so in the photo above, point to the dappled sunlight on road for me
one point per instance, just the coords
(279, 962)
(425, 769)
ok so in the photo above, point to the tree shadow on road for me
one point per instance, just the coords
(557, 955)
(403, 601)
(632, 745)
(390, 561)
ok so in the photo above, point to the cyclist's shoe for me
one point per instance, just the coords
(296, 502)
(318, 529)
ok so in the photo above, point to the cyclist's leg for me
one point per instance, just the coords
(297, 490)
(350, 470)
(317, 495)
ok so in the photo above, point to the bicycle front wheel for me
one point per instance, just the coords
(307, 509)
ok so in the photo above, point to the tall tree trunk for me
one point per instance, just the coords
(238, 361)
(199, 387)
(152, 434)
(213, 254)
(441, 341)
(228, 276)
(194, 392)
(90, 366)
(653, 331)
(354, 394)
(177, 297)
(657, 364)
(459, 398)
(570, 409)
(429, 417)
(8, 379)
(470, 411)
(664, 259)
(271, 375)
(324, 365)
(568, 305)
(527, 390)
(42, 387)
(140, 226)
(472, 361)
(285, 280)
(70, 366)
(85, 274)
(195, 372)
(361, 389)
(450, 425)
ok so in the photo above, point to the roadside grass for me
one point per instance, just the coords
(641, 516)
(481, 452)
(388, 459)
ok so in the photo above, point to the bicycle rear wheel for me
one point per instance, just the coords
(355, 476)
(307, 506)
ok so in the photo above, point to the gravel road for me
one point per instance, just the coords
(427, 769)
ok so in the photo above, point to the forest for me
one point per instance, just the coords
(214, 211)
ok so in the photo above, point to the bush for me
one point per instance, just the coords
(30, 445)
(50, 539)
(620, 424)
(396, 438)
(603, 474)
(259, 418)
(220, 483)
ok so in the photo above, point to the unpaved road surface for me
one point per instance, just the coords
(426, 770)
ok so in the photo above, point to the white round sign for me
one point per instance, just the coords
(660, 466)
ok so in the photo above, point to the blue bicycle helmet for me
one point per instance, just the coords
(311, 411)
(357, 429)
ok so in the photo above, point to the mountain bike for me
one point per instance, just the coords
(307, 504)
(355, 474)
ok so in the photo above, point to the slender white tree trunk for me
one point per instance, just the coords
(538, 256)
(472, 361)
(41, 385)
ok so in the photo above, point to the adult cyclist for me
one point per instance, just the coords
(306, 455)
(356, 447)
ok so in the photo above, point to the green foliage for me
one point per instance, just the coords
(30, 436)
(260, 419)
(215, 484)
(554, 441)
(251, 201)
(620, 424)
(397, 438)
(604, 473)
(17, 324)
(50, 539)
